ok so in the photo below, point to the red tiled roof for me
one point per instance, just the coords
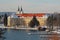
(31, 14)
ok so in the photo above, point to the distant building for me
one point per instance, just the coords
(23, 19)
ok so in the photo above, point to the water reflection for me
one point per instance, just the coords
(26, 35)
(2, 32)
(20, 34)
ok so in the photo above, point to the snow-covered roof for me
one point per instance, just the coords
(14, 16)
(45, 16)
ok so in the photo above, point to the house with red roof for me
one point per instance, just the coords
(25, 19)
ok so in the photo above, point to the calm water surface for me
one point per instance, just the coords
(20, 35)
(24, 35)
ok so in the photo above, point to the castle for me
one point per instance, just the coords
(22, 19)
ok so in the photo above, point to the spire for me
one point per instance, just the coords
(18, 8)
(18, 11)
(21, 10)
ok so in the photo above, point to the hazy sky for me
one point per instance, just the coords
(30, 5)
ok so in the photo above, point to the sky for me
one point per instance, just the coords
(47, 6)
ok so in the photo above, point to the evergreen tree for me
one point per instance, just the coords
(34, 22)
(50, 22)
(5, 20)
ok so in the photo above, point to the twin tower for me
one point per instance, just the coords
(20, 10)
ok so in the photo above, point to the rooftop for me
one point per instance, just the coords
(31, 14)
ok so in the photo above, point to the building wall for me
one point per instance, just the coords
(8, 21)
(16, 22)
(24, 21)
(42, 21)
(27, 20)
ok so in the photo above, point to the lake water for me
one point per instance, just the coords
(24, 35)
(11, 34)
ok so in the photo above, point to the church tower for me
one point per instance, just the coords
(21, 10)
(18, 11)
